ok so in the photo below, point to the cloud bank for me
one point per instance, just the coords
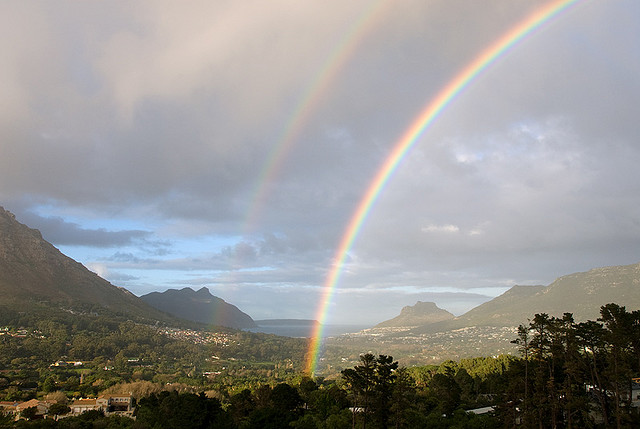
(136, 137)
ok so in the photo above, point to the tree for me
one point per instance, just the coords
(323, 403)
(634, 321)
(574, 398)
(285, 398)
(590, 336)
(543, 383)
(371, 386)
(29, 413)
(5, 419)
(49, 385)
(384, 379)
(241, 406)
(618, 324)
(444, 388)
(59, 409)
(523, 341)
(306, 387)
(403, 398)
(181, 410)
(57, 397)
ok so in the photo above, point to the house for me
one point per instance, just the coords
(117, 403)
(120, 404)
(8, 407)
(42, 407)
(79, 406)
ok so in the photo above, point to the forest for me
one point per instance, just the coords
(568, 374)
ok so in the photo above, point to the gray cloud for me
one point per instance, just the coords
(166, 117)
(58, 231)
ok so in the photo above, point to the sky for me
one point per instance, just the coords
(226, 145)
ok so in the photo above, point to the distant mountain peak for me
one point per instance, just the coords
(422, 313)
(199, 306)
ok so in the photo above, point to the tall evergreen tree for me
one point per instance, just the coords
(371, 387)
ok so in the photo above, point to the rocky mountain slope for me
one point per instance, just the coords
(32, 271)
(199, 306)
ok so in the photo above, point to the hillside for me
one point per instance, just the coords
(580, 293)
(422, 313)
(199, 306)
(32, 270)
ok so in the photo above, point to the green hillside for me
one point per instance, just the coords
(32, 271)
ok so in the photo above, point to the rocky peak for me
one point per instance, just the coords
(422, 313)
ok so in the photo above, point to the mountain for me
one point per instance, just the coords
(33, 271)
(581, 294)
(199, 306)
(505, 309)
(422, 313)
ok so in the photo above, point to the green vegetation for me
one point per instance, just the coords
(576, 374)
(84, 354)
(568, 375)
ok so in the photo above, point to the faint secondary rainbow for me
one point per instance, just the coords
(343, 50)
(410, 136)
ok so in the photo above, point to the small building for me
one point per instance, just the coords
(116, 403)
(8, 407)
(120, 404)
(42, 407)
(482, 410)
(79, 406)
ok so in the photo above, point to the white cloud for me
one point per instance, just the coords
(99, 269)
(441, 228)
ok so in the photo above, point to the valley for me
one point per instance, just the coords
(67, 334)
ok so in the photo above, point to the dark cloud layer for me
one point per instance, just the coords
(161, 120)
(56, 230)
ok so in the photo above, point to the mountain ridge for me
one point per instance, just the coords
(199, 306)
(33, 270)
(581, 293)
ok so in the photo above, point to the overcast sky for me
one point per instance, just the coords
(226, 144)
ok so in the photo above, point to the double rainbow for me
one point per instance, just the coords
(417, 128)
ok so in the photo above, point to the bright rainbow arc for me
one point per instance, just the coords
(312, 96)
(411, 135)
